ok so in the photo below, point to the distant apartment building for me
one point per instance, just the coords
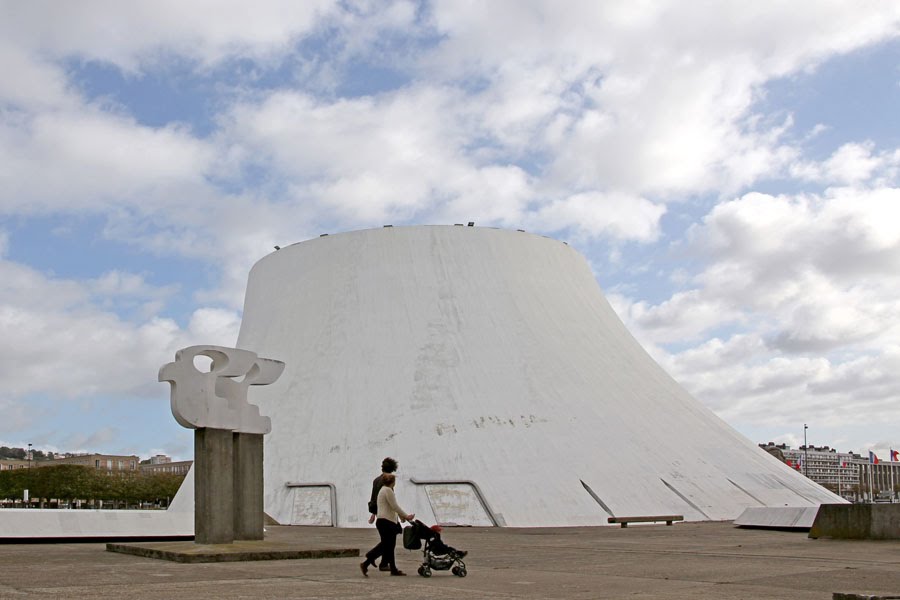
(177, 467)
(851, 475)
(110, 462)
(837, 471)
(8, 464)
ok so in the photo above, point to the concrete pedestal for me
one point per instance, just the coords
(248, 486)
(213, 486)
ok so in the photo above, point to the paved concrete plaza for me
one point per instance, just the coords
(687, 560)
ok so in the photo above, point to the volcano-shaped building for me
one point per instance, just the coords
(490, 365)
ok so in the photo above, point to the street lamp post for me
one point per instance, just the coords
(805, 452)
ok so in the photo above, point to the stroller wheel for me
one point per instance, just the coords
(459, 571)
(424, 571)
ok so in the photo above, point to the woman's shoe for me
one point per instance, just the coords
(398, 573)
(364, 568)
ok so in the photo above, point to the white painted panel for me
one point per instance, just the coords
(456, 504)
(778, 516)
(312, 506)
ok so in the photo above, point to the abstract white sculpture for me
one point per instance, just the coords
(228, 437)
(217, 399)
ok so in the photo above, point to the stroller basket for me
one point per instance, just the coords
(414, 533)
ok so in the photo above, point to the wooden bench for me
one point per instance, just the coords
(669, 519)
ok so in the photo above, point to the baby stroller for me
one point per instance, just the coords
(436, 554)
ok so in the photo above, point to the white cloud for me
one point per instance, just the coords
(745, 382)
(371, 161)
(365, 159)
(809, 288)
(81, 442)
(667, 117)
(118, 290)
(851, 164)
(871, 378)
(58, 341)
(684, 316)
(401, 156)
(216, 326)
(577, 124)
(590, 121)
(847, 233)
(618, 216)
(29, 82)
(16, 417)
(92, 161)
(119, 283)
(130, 35)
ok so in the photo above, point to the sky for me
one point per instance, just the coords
(730, 169)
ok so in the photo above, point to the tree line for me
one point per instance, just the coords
(22, 454)
(68, 484)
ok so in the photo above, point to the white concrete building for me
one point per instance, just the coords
(490, 365)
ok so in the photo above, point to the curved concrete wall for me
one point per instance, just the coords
(487, 356)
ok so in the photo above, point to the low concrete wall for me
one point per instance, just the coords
(845, 596)
(857, 522)
(35, 523)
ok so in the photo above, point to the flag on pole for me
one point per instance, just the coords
(895, 455)
(893, 487)
(873, 458)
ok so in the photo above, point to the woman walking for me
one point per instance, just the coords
(388, 527)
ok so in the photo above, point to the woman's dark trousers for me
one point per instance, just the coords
(385, 548)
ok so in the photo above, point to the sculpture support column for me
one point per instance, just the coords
(213, 485)
(248, 486)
